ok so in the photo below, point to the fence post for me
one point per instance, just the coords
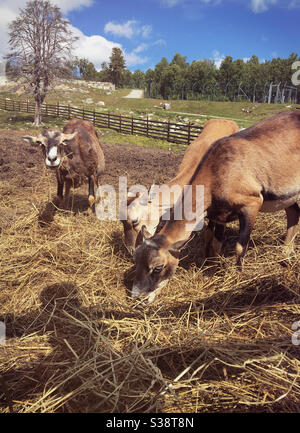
(168, 132)
(120, 123)
(108, 120)
(147, 126)
(189, 133)
(94, 119)
(69, 112)
(132, 125)
(57, 109)
(46, 108)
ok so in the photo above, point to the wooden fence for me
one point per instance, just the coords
(179, 133)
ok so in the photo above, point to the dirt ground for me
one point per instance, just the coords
(22, 170)
(22, 164)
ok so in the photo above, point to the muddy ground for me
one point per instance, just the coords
(22, 164)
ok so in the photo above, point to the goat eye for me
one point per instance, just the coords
(158, 268)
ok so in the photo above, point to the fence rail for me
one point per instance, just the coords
(179, 133)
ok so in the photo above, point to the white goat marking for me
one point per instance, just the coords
(52, 154)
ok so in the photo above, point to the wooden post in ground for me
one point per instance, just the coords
(189, 133)
(168, 132)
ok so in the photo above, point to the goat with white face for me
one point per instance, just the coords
(75, 154)
(141, 212)
(257, 169)
(51, 143)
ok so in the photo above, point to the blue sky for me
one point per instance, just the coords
(147, 30)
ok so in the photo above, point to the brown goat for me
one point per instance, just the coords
(75, 154)
(148, 214)
(257, 169)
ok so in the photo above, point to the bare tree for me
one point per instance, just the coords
(40, 43)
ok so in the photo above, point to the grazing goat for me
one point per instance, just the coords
(257, 169)
(75, 154)
(142, 212)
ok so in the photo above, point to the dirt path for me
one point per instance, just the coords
(135, 93)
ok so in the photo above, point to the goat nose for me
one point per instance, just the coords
(52, 159)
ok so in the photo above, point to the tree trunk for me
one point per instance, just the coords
(37, 114)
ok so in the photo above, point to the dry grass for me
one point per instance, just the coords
(213, 341)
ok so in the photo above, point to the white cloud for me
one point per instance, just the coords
(95, 48)
(141, 47)
(259, 6)
(145, 46)
(132, 59)
(9, 10)
(294, 4)
(146, 31)
(69, 5)
(171, 3)
(217, 58)
(65, 5)
(128, 30)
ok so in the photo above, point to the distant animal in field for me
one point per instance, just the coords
(75, 154)
(257, 169)
(148, 212)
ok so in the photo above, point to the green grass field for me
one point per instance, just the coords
(198, 112)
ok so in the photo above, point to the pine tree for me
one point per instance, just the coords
(117, 66)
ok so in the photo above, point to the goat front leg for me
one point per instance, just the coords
(208, 237)
(217, 241)
(91, 191)
(60, 189)
(67, 193)
(247, 217)
(213, 239)
(292, 214)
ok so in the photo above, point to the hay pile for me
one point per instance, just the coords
(213, 341)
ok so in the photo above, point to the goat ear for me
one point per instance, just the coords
(67, 137)
(145, 233)
(131, 196)
(31, 140)
(175, 248)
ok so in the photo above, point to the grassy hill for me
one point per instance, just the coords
(82, 94)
